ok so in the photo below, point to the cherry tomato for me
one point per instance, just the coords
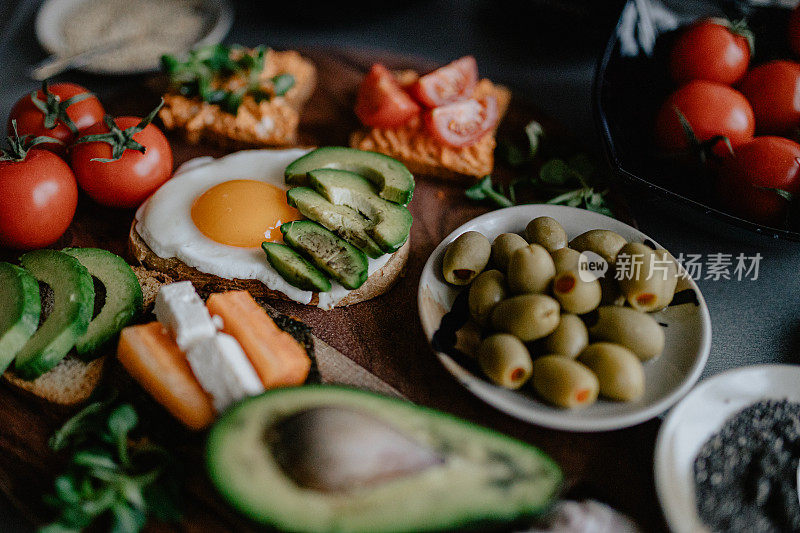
(463, 122)
(31, 119)
(711, 109)
(446, 84)
(713, 49)
(129, 180)
(794, 30)
(381, 102)
(745, 179)
(773, 90)
(38, 196)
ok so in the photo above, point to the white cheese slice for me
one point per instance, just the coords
(180, 309)
(223, 370)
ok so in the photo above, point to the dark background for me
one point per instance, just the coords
(546, 52)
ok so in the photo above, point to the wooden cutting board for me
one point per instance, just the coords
(382, 336)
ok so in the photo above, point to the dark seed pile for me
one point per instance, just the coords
(746, 475)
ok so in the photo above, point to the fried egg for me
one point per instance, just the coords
(214, 214)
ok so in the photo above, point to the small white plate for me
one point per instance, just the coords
(50, 17)
(696, 418)
(668, 378)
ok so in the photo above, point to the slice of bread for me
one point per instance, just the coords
(377, 284)
(422, 154)
(73, 380)
(268, 122)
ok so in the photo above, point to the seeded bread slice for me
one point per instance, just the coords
(72, 381)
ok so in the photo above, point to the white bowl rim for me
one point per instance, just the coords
(553, 420)
(674, 513)
(50, 14)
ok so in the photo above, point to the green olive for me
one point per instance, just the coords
(488, 289)
(681, 276)
(603, 242)
(618, 370)
(528, 316)
(530, 270)
(636, 331)
(465, 258)
(647, 278)
(505, 360)
(566, 259)
(576, 294)
(503, 246)
(569, 338)
(564, 382)
(547, 232)
(468, 338)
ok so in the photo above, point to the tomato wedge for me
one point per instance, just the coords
(462, 123)
(447, 83)
(381, 102)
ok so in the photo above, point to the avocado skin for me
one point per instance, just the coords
(123, 297)
(73, 293)
(20, 292)
(392, 178)
(322, 248)
(230, 427)
(343, 221)
(294, 268)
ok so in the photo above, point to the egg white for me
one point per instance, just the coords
(164, 222)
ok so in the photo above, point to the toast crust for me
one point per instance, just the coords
(378, 283)
(422, 154)
(271, 122)
(71, 382)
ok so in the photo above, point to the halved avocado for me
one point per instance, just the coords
(343, 221)
(390, 223)
(123, 297)
(20, 309)
(393, 179)
(296, 459)
(73, 303)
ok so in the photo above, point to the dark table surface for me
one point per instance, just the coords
(754, 321)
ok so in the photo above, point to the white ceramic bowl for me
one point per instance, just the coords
(668, 378)
(51, 15)
(696, 418)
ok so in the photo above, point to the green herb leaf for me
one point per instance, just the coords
(535, 132)
(282, 83)
(483, 190)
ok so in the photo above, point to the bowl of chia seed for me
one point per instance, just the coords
(727, 455)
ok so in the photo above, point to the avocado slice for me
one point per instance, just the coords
(294, 268)
(123, 297)
(336, 257)
(343, 221)
(73, 303)
(20, 308)
(390, 223)
(393, 179)
(293, 459)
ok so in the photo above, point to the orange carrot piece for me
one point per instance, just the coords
(278, 358)
(151, 356)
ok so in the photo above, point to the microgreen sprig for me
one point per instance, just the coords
(110, 475)
(573, 182)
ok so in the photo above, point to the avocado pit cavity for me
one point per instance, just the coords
(338, 449)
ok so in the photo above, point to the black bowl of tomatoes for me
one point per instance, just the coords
(711, 118)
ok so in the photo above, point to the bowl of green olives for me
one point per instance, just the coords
(564, 317)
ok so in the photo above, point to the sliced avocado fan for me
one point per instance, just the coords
(123, 300)
(73, 295)
(20, 309)
(314, 459)
(390, 176)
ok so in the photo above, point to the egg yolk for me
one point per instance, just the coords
(243, 213)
